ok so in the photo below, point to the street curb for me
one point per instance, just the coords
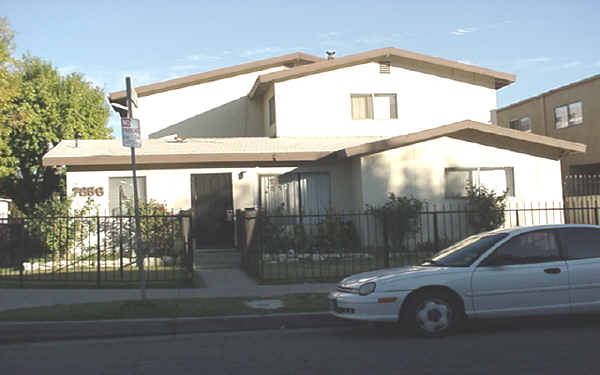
(22, 332)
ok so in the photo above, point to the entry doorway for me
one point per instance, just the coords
(212, 208)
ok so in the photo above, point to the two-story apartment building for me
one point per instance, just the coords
(302, 134)
(569, 112)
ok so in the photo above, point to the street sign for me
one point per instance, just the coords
(130, 132)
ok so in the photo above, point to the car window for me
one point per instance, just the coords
(465, 252)
(581, 243)
(532, 247)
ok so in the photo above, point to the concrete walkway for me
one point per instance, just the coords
(219, 283)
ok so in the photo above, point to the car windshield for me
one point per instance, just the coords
(465, 252)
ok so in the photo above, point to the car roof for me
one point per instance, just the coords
(531, 228)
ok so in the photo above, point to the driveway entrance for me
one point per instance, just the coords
(212, 205)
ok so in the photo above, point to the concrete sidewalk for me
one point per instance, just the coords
(219, 283)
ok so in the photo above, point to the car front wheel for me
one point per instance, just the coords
(432, 315)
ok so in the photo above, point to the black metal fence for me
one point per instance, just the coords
(581, 185)
(96, 251)
(328, 247)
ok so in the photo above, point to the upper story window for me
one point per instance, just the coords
(374, 106)
(568, 115)
(272, 110)
(499, 180)
(523, 124)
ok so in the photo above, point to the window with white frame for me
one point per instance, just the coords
(568, 115)
(373, 106)
(522, 124)
(120, 193)
(499, 180)
(295, 194)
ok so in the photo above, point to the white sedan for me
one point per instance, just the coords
(550, 269)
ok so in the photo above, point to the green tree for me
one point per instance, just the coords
(8, 87)
(45, 109)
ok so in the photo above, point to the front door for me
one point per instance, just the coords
(212, 200)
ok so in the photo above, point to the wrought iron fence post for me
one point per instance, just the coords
(121, 246)
(261, 249)
(22, 255)
(240, 222)
(190, 249)
(386, 246)
(98, 247)
(596, 212)
(436, 237)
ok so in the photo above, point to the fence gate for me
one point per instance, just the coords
(11, 242)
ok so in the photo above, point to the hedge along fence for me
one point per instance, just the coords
(328, 247)
(96, 249)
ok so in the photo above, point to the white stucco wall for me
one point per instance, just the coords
(319, 104)
(270, 130)
(164, 109)
(419, 171)
(171, 187)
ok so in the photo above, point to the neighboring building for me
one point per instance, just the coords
(304, 135)
(570, 112)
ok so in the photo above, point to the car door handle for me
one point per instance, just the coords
(552, 270)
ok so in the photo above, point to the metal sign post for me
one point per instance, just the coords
(132, 138)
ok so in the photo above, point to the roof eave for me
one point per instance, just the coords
(501, 79)
(471, 131)
(194, 79)
(104, 160)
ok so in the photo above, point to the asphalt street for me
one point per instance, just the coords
(541, 346)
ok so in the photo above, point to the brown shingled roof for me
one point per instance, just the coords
(297, 58)
(90, 154)
(383, 54)
(476, 132)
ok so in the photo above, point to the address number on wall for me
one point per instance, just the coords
(88, 191)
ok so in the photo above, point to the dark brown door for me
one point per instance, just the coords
(212, 199)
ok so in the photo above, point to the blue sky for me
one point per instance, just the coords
(545, 43)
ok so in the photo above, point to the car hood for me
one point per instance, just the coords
(393, 274)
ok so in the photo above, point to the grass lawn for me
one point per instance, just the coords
(329, 271)
(165, 278)
(274, 273)
(169, 308)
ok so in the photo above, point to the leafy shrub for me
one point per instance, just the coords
(486, 208)
(399, 216)
(160, 230)
(335, 233)
(274, 235)
(328, 233)
(59, 228)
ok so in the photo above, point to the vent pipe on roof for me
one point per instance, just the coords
(330, 55)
